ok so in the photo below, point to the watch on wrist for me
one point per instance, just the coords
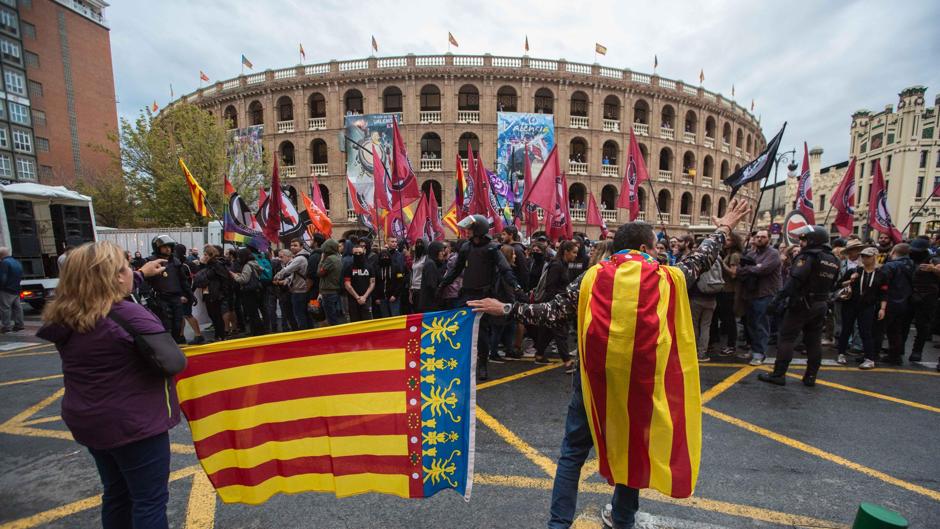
(507, 308)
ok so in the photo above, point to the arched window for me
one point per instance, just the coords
(665, 201)
(430, 98)
(612, 107)
(285, 109)
(737, 167)
(544, 101)
(726, 133)
(392, 99)
(577, 150)
(668, 117)
(608, 197)
(708, 167)
(610, 152)
(433, 186)
(354, 102)
(739, 139)
(579, 104)
(705, 212)
(291, 194)
(641, 112)
(577, 196)
(641, 199)
(722, 206)
(231, 117)
(688, 163)
(255, 113)
(645, 152)
(318, 152)
(468, 98)
(724, 169)
(710, 127)
(691, 122)
(747, 144)
(325, 193)
(468, 138)
(685, 206)
(286, 151)
(665, 159)
(506, 99)
(430, 146)
(316, 104)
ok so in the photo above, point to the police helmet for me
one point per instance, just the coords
(162, 240)
(814, 235)
(477, 224)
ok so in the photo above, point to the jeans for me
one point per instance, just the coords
(135, 478)
(574, 451)
(757, 324)
(502, 332)
(11, 310)
(333, 308)
(387, 309)
(298, 303)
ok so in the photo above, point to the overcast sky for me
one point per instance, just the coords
(811, 63)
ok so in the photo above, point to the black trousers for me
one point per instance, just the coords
(865, 316)
(921, 315)
(214, 309)
(810, 322)
(897, 325)
(545, 336)
(251, 306)
(724, 314)
(358, 312)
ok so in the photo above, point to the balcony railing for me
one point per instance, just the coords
(641, 129)
(319, 169)
(665, 176)
(709, 142)
(579, 122)
(468, 116)
(611, 125)
(289, 171)
(738, 152)
(688, 137)
(688, 178)
(725, 147)
(609, 215)
(578, 214)
(464, 164)
(430, 116)
(398, 116)
(351, 215)
(706, 181)
(316, 123)
(685, 219)
(667, 133)
(610, 170)
(666, 218)
(285, 126)
(431, 164)
(577, 167)
(641, 215)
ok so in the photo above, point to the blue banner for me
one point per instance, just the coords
(514, 132)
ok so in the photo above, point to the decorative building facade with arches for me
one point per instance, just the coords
(690, 138)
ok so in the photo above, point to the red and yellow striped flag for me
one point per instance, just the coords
(640, 374)
(379, 406)
(450, 219)
(196, 192)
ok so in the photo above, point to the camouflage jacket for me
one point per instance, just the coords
(564, 306)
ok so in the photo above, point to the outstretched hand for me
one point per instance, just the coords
(493, 307)
(737, 210)
(152, 268)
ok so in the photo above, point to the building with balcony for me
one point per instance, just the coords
(690, 138)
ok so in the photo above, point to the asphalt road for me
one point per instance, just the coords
(772, 457)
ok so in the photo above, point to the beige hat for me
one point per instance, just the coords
(854, 244)
(870, 252)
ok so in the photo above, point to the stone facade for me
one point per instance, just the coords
(691, 138)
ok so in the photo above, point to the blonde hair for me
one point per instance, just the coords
(601, 251)
(88, 286)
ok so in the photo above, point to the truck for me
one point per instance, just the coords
(138, 240)
(39, 223)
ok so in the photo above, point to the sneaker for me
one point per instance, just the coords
(757, 360)
(541, 360)
(198, 340)
(703, 359)
(867, 364)
(529, 353)
(607, 516)
(571, 370)
(744, 355)
(915, 357)
(496, 359)
(842, 359)
(726, 351)
(772, 379)
(826, 341)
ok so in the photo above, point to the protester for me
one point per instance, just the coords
(864, 303)
(331, 277)
(187, 266)
(925, 290)
(292, 276)
(600, 252)
(215, 278)
(11, 310)
(414, 286)
(435, 266)
(724, 322)
(249, 293)
(760, 279)
(171, 289)
(450, 295)
(117, 402)
(899, 271)
(359, 282)
(556, 280)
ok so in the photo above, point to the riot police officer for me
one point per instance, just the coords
(482, 265)
(805, 297)
(170, 290)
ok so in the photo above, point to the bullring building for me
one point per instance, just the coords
(690, 138)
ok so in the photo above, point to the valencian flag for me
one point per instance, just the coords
(634, 174)
(196, 192)
(594, 217)
(240, 227)
(384, 406)
(640, 374)
(843, 200)
(878, 215)
(804, 189)
(758, 168)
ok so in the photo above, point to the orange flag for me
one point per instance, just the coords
(319, 221)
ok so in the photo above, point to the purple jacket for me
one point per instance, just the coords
(113, 396)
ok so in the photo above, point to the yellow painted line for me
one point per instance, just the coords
(42, 420)
(726, 384)
(721, 507)
(19, 418)
(517, 376)
(809, 449)
(26, 349)
(28, 380)
(873, 394)
(723, 364)
(589, 468)
(546, 464)
(880, 371)
(200, 511)
(14, 355)
(69, 509)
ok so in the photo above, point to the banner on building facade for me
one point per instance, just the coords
(245, 163)
(360, 134)
(514, 132)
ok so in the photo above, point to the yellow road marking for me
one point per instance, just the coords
(721, 507)
(886, 371)
(546, 464)
(25, 349)
(28, 380)
(517, 376)
(13, 355)
(19, 418)
(799, 445)
(726, 384)
(200, 512)
(41, 420)
(589, 468)
(872, 394)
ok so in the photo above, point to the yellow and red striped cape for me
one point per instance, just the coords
(640, 374)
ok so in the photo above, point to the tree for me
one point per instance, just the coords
(114, 204)
(151, 147)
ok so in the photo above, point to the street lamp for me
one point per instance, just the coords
(791, 172)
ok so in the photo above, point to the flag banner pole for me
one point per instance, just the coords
(826, 221)
(659, 213)
(917, 213)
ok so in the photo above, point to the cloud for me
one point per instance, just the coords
(807, 62)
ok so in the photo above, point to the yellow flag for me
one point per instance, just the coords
(196, 192)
